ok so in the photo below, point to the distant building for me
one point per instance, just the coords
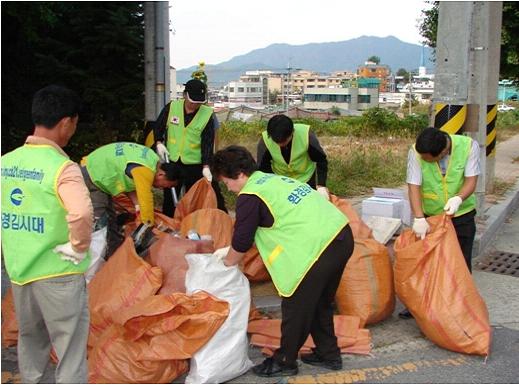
(352, 98)
(380, 72)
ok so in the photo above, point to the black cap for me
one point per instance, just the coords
(196, 91)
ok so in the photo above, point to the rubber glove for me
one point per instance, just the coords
(324, 192)
(221, 253)
(206, 172)
(163, 152)
(453, 204)
(69, 254)
(421, 227)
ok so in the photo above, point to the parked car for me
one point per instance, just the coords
(504, 108)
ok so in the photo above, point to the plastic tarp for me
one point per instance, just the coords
(366, 288)
(433, 281)
(266, 333)
(168, 253)
(150, 341)
(97, 252)
(225, 356)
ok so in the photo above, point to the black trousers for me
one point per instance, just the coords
(192, 173)
(310, 309)
(465, 227)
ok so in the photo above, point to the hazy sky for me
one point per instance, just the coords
(214, 31)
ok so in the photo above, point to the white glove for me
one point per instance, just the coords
(421, 227)
(324, 192)
(69, 254)
(163, 152)
(221, 253)
(453, 204)
(206, 172)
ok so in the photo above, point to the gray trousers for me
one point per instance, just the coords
(53, 312)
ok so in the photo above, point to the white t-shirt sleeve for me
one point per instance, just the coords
(473, 167)
(414, 172)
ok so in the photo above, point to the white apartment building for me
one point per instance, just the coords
(342, 98)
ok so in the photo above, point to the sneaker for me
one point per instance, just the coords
(272, 368)
(314, 359)
(405, 314)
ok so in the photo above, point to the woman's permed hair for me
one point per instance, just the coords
(231, 161)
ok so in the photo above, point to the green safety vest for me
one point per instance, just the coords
(33, 216)
(304, 225)
(437, 189)
(301, 167)
(185, 142)
(106, 165)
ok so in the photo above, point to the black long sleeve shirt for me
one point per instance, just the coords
(315, 152)
(160, 132)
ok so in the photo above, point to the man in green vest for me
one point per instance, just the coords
(184, 134)
(442, 173)
(305, 243)
(128, 168)
(46, 233)
(293, 150)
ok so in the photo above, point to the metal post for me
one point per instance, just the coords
(149, 62)
(161, 66)
(467, 73)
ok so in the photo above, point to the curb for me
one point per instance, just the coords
(497, 215)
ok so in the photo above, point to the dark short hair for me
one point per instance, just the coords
(280, 127)
(431, 141)
(52, 103)
(231, 161)
(172, 170)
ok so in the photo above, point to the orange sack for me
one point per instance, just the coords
(9, 322)
(124, 280)
(213, 222)
(366, 288)
(433, 281)
(200, 196)
(151, 340)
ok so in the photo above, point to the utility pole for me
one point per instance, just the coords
(156, 57)
(466, 79)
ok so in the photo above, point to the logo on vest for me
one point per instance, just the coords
(17, 196)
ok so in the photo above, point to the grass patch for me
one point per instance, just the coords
(500, 187)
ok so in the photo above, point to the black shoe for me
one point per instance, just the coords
(405, 314)
(314, 359)
(272, 368)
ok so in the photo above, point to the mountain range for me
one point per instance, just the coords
(321, 57)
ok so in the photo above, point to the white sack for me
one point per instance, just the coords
(225, 356)
(97, 251)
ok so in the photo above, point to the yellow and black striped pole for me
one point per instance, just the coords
(490, 143)
(450, 118)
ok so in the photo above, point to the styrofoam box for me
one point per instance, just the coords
(383, 207)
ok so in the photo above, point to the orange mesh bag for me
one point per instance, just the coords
(266, 333)
(151, 340)
(213, 222)
(9, 322)
(124, 280)
(168, 253)
(433, 281)
(366, 288)
(358, 227)
(200, 196)
(253, 267)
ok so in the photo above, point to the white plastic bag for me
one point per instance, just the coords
(97, 251)
(225, 356)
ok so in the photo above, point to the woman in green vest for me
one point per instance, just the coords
(294, 151)
(442, 173)
(305, 243)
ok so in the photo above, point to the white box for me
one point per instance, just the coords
(387, 203)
